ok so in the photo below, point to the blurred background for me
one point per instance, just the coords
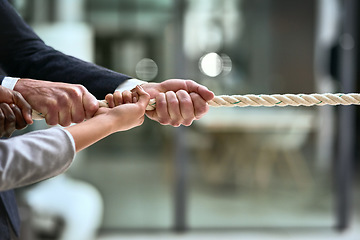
(238, 173)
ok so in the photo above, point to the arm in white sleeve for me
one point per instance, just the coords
(35, 156)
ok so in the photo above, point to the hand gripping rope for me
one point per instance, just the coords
(280, 100)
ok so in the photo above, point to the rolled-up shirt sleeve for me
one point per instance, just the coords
(35, 156)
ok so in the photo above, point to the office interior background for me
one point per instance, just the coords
(238, 173)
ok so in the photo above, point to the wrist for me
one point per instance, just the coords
(19, 85)
(107, 122)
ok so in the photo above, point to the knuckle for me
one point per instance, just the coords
(76, 92)
(53, 105)
(175, 123)
(63, 102)
(173, 102)
(78, 118)
(92, 108)
(163, 121)
(11, 118)
(50, 119)
(187, 102)
(190, 82)
(161, 103)
(188, 123)
(77, 89)
(65, 124)
(181, 92)
(51, 122)
(141, 121)
(81, 88)
(17, 95)
(201, 110)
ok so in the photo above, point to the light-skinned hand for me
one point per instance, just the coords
(178, 102)
(59, 103)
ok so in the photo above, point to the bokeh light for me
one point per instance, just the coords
(212, 64)
(146, 69)
(227, 63)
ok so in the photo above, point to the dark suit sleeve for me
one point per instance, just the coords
(23, 54)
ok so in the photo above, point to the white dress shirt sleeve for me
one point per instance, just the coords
(9, 82)
(35, 156)
(129, 84)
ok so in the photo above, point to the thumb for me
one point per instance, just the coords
(144, 97)
(25, 107)
(90, 104)
(203, 91)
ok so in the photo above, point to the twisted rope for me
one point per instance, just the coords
(280, 100)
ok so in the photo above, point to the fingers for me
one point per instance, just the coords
(76, 105)
(173, 108)
(25, 107)
(50, 111)
(203, 91)
(200, 105)
(178, 108)
(134, 96)
(141, 97)
(90, 104)
(189, 86)
(127, 97)
(77, 108)
(129, 108)
(160, 113)
(51, 119)
(8, 120)
(109, 98)
(20, 121)
(186, 107)
(65, 112)
(118, 98)
(60, 103)
(178, 101)
(2, 123)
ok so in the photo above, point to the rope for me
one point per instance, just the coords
(280, 100)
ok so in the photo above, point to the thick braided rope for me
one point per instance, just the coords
(280, 100)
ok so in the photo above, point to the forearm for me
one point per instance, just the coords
(91, 131)
(34, 156)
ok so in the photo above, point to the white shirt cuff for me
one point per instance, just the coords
(9, 82)
(129, 84)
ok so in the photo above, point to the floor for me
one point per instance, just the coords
(138, 194)
(137, 191)
(246, 235)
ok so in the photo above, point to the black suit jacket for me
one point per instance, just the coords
(23, 54)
